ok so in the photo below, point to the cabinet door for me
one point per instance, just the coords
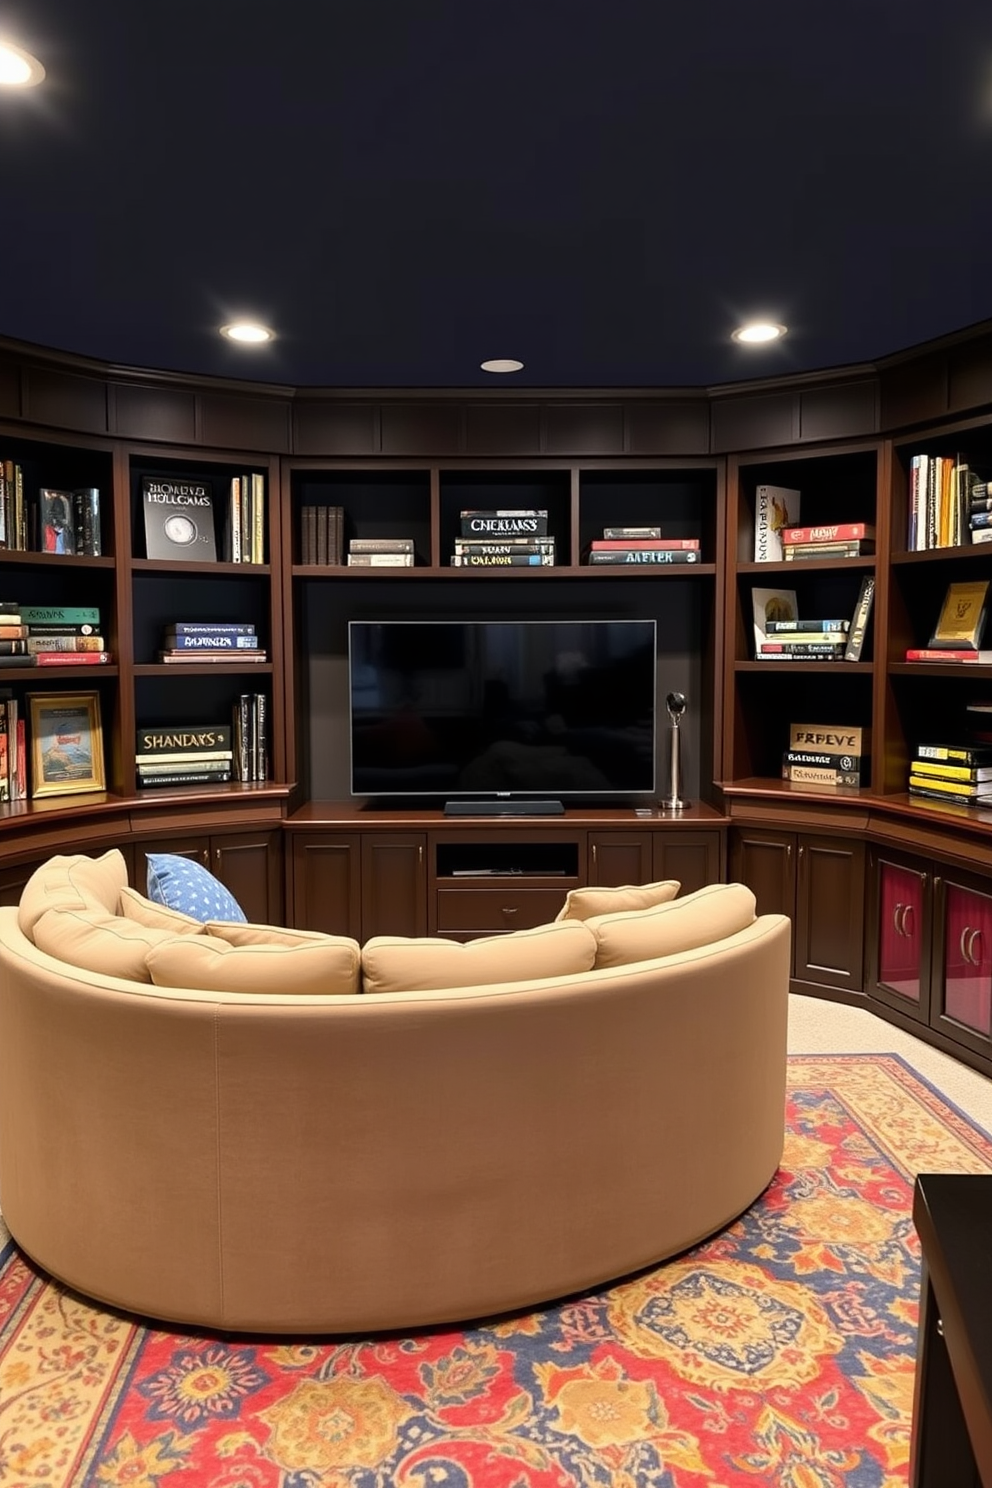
(394, 884)
(829, 921)
(765, 861)
(901, 935)
(694, 858)
(250, 865)
(963, 979)
(189, 846)
(619, 858)
(327, 883)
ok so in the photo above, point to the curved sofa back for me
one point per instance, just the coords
(338, 1164)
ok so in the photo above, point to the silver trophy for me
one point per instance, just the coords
(675, 702)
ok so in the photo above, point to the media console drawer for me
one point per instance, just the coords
(504, 907)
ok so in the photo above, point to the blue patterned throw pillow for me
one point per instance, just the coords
(181, 883)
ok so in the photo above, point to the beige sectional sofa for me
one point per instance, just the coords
(481, 1128)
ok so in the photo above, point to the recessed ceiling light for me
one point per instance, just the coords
(502, 364)
(18, 69)
(247, 333)
(757, 332)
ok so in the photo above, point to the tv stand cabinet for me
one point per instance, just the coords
(363, 872)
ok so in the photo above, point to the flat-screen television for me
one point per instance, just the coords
(519, 708)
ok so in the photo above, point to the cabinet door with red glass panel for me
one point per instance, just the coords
(900, 912)
(962, 959)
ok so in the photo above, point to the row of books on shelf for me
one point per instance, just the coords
(181, 522)
(949, 504)
(207, 754)
(49, 520)
(51, 635)
(321, 534)
(780, 634)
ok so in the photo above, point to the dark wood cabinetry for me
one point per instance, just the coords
(818, 881)
(930, 940)
(355, 873)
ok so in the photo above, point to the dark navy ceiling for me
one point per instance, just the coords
(403, 188)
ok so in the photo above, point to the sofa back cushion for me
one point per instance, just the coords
(394, 963)
(72, 881)
(699, 919)
(135, 906)
(582, 904)
(253, 958)
(93, 940)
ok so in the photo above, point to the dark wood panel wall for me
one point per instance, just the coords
(64, 392)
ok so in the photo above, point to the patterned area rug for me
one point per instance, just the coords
(782, 1352)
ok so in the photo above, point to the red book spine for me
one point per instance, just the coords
(839, 532)
(69, 658)
(927, 653)
(664, 544)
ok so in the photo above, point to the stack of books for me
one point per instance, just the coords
(804, 640)
(321, 534)
(50, 635)
(780, 634)
(838, 540)
(196, 641)
(504, 538)
(251, 736)
(380, 552)
(641, 545)
(957, 773)
(826, 755)
(184, 754)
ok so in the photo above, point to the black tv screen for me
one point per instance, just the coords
(495, 707)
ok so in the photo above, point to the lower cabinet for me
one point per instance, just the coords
(930, 939)
(247, 863)
(818, 881)
(359, 884)
(462, 882)
(694, 858)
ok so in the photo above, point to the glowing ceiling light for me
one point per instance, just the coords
(502, 364)
(18, 69)
(247, 333)
(757, 332)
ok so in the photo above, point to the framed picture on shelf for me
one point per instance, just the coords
(66, 743)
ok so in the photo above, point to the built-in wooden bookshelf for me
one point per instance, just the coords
(406, 463)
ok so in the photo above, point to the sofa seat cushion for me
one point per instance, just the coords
(234, 958)
(708, 915)
(582, 904)
(394, 963)
(135, 906)
(185, 885)
(93, 940)
(72, 881)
